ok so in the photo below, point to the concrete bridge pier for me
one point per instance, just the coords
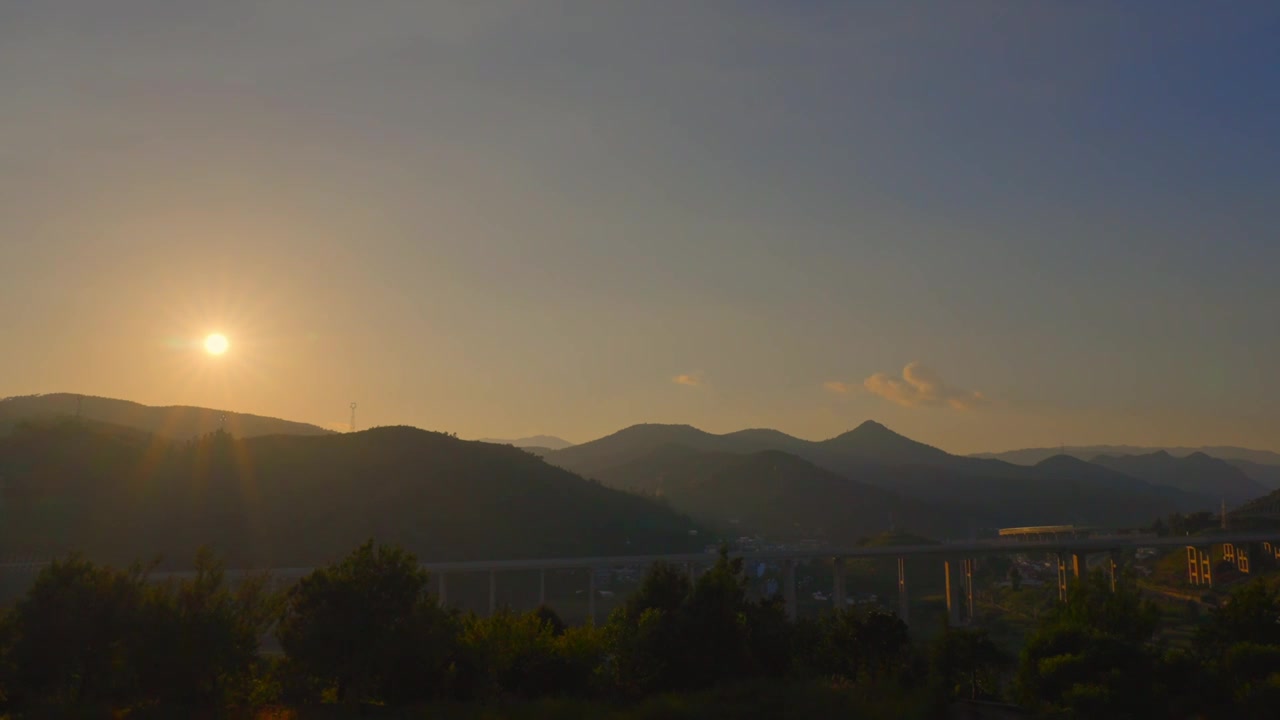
(591, 597)
(903, 602)
(1062, 576)
(1199, 567)
(1079, 565)
(969, 606)
(837, 584)
(951, 569)
(493, 591)
(789, 589)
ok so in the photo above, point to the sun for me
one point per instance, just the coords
(216, 344)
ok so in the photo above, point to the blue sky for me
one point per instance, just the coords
(508, 218)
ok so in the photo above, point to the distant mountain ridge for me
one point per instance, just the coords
(1031, 456)
(775, 493)
(1260, 466)
(984, 491)
(548, 442)
(1197, 473)
(870, 441)
(176, 421)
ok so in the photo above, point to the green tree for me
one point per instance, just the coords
(1091, 656)
(1015, 579)
(549, 616)
(1250, 614)
(1237, 650)
(853, 642)
(967, 664)
(1253, 672)
(368, 626)
(713, 625)
(197, 641)
(70, 636)
(526, 656)
(664, 587)
(673, 635)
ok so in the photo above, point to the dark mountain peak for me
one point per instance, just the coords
(1162, 455)
(1062, 462)
(869, 431)
(654, 428)
(874, 441)
(871, 426)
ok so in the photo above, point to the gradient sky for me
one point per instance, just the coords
(985, 224)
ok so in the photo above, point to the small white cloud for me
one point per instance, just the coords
(687, 380)
(919, 386)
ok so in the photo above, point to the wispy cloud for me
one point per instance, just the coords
(838, 387)
(688, 380)
(918, 386)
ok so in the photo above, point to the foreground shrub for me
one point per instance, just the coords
(368, 628)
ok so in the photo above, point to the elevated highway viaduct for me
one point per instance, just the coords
(1070, 545)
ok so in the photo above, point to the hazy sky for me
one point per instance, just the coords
(985, 224)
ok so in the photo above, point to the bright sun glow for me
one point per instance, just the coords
(216, 344)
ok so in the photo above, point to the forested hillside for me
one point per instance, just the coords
(119, 494)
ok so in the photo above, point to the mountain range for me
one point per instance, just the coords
(1262, 466)
(1196, 472)
(776, 494)
(954, 490)
(867, 480)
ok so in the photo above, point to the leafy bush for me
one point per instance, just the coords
(368, 627)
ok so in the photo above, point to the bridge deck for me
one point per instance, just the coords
(941, 550)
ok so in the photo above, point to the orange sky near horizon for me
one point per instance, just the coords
(1050, 227)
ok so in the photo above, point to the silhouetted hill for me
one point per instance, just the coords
(1197, 473)
(870, 442)
(549, 442)
(1268, 476)
(1057, 492)
(1031, 456)
(638, 441)
(281, 500)
(1262, 513)
(877, 443)
(982, 491)
(174, 421)
(756, 438)
(774, 493)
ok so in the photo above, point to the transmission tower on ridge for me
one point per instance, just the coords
(353, 417)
